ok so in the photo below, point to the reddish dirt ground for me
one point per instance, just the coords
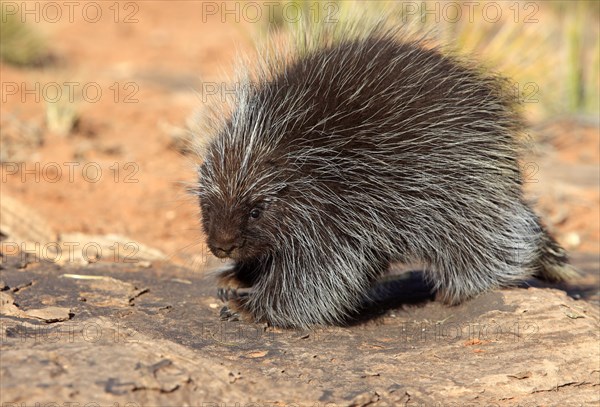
(159, 64)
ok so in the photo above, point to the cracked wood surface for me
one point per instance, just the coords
(117, 333)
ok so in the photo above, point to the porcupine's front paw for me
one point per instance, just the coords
(233, 292)
(226, 314)
(229, 283)
(235, 301)
(226, 292)
(228, 296)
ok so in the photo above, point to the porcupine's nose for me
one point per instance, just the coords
(224, 246)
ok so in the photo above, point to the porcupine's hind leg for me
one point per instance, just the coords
(502, 254)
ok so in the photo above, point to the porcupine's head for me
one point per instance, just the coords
(274, 177)
(242, 189)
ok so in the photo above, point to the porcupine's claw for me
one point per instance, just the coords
(228, 315)
(225, 293)
(236, 296)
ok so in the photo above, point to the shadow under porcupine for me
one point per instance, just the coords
(358, 148)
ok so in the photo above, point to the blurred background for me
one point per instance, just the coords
(101, 99)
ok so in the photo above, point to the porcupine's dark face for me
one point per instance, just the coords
(237, 225)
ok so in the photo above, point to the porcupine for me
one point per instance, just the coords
(357, 149)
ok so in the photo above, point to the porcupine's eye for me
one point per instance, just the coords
(255, 213)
